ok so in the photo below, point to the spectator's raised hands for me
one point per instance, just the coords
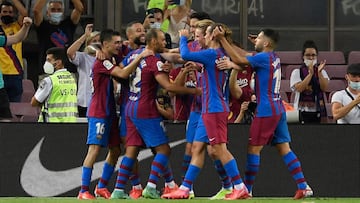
(27, 21)
(321, 66)
(88, 29)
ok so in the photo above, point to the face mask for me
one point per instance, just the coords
(252, 84)
(354, 85)
(48, 67)
(155, 25)
(308, 62)
(56, 17)
(7, 19)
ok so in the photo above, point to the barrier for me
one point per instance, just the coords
(45, 160)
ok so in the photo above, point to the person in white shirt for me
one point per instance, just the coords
(345, 104)
(309, 82)
(84, 62)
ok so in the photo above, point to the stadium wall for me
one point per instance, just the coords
(45, 160)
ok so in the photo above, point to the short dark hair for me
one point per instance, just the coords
(58, 53)
(107, 34)
(309, 44)
(354, 69)
(200, 15)
(151, 34)
(272, 34)
(6, 3)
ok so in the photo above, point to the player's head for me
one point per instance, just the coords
(209, 37)
(135, 32)
(110, 41)
(267, 39)
(155, 40)
(200, 30)
(353, 76)
(195, 17)
(55, 11)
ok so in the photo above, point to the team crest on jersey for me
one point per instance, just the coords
(107, 64)
(159, 65)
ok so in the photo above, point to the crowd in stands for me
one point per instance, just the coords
(177, 65)
(56, 30)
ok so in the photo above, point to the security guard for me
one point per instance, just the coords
(56, 93)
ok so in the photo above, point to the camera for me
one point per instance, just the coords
(252, 106)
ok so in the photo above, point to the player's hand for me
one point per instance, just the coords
(219, 32)
(189, 66)
(321, 66)
(184, 32)
(226, 64)
(198, 91)
(146, 53)
(100, 55)
(27, 21)
(88, 29)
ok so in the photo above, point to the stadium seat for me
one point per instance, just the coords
(24, 111)
(28, 90)
(289, 70)
(290, 57)
(354, 57)
(337, 72)
(336, 85)
(332, 57)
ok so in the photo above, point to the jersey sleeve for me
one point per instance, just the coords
(44, 90)
(201, 56)
(258, 61)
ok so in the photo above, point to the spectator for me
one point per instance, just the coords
(5, 113)
(346, 103)
(309, 83)
(11, 61)
(178, 19)
(56, 93)
(55, 30)
(84, 62)
(154, 19)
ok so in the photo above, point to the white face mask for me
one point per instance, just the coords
(308, 62)
(48, 67)
(155, 25)
(354, 85)
(252, 84)
(56, 17)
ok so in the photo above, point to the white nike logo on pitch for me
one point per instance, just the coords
(38, 181)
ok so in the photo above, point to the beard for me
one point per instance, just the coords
(139, 41)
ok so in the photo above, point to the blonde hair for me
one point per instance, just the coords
(204, 24)
(91, 37)
(228, 31)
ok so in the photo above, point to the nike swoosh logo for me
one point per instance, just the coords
(38, 181)
(212, 139)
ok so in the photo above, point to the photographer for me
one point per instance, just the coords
(247, 111)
